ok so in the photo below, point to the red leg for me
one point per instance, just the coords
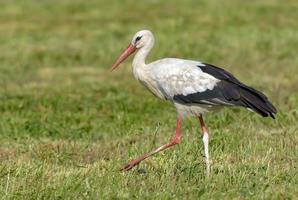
(203, 126)
(205, 141)
(175, 140)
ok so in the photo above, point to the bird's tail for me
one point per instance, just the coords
(258, 102)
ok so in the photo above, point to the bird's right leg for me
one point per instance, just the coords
(206, 143)
(175, 140)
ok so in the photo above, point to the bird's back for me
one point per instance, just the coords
(178, 76)
(193, 83)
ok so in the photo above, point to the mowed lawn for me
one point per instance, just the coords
(67, 124)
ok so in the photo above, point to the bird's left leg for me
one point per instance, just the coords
(175, 140)
(206, 143)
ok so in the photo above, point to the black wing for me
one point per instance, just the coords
(229, 91)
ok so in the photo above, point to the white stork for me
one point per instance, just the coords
(193, 87)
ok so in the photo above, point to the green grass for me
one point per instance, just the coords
(67, 124)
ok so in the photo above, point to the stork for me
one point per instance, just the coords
(193, 87)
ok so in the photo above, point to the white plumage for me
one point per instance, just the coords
(170, 76)
(177, 76)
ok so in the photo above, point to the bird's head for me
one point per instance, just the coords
(141, 39)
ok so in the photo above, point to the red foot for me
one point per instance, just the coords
(131, 165)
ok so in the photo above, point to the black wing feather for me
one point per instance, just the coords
(229, 91)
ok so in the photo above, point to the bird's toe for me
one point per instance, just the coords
(130, 165)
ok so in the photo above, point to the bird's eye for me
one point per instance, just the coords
(138, 38)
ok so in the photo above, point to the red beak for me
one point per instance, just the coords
(128, 51)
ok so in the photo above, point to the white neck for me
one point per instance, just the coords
(139, 59)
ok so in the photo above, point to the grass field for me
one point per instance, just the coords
(67, 124)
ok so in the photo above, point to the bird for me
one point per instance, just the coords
(193, 87)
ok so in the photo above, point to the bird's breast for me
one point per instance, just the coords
(145, 78)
